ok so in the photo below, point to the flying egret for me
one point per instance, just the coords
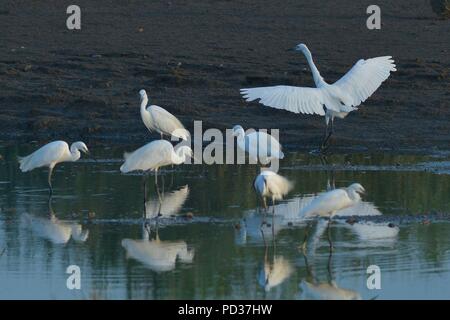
(329, 100)
(269, 184)
(152, 156)
(160, 120)
(328, 203)
(259, 145)
(50, 155)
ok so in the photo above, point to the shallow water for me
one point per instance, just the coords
(209, 244)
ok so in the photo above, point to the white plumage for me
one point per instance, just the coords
(259, 145)
(329, 100)
(50, 155)
(160, 120)
(328, 203)
(269, 184)
(154, 155)
(158, 255)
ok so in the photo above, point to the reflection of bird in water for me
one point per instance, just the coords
(158, 255)
(313, 289)
(275, 270)
(374, 231)
(169, 205)
(55, 230)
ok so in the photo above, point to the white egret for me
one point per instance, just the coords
(152, 156)
(160, 120)
(269, 184)
(328, 203)
(259, 145)
(329, 100)
(50, 155)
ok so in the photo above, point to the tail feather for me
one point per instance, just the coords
(24, 163)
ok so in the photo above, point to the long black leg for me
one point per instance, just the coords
(329, 235)
(144, 182)
(325, 143)
(50, 188)
(305, 238)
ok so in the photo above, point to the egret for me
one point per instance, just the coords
(50, 155)
(328, 203)
(160, 120)
(269, 184)
(330, 100)
(153, 156)
(259, 145)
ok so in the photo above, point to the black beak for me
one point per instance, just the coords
(290, 49)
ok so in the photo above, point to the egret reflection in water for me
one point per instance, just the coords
(156, 254)
(55, 230)
(275, 269)
(312, 288)
(166, 204)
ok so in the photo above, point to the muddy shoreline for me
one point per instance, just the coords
(193, 58)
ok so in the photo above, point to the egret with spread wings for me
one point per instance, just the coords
(329, 100)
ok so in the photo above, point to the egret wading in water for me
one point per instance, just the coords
(335, 100)
(328, 203)
(269, 184)
(153, 156)
(260, 146)
(160, 120)
(50, 155)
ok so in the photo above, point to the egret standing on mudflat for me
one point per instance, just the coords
(259, 145)
(328, 203)
(160, 120)
(50, 155)
(152, 156)
(269, 184)
(329, 100)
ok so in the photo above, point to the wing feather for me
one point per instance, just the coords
(366, 76)
(294, 99)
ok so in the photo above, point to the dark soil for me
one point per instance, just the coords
(192, 58)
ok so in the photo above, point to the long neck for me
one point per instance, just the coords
(318, 80)
(353, 195)
(179, 157)
(144, 102)
(241, 135)
(74, 154)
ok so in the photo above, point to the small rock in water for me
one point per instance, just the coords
(290, 224)
(189, 215)
(351, 220)
(237, 226)
(91, 215)
(391, 225)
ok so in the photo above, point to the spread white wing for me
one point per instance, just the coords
(294, 99)
(358, 84)
(366, 76)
